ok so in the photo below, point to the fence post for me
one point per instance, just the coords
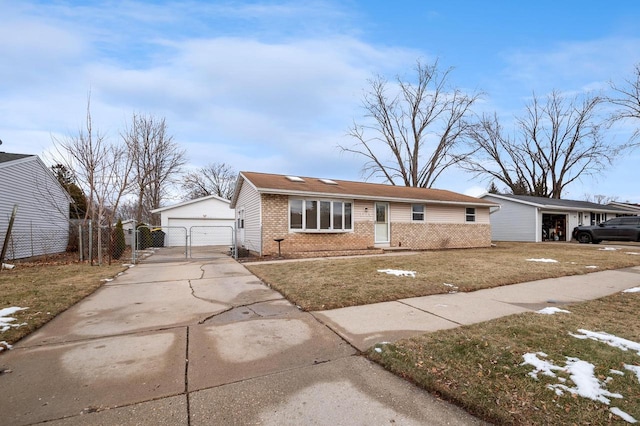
(8, 234)
(80, 245)
(134, 245)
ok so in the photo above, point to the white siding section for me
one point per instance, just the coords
(399, 212)
(249, 200)
(514, 222)
(42, 223)
(364, 211)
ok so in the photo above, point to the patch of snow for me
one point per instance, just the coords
(632, 252)
(591, 267)
(4, 345)
(398, 272)
(8, 266)
(543, 260)
(379, 350)
(634, 369)
(552, 310)
(632, 290)
(618, 372)
(624, 416)
(608, 249)
(609, 339)
(454, 288)
(106, 280)
(6, 321)
(541, 366)
(581, 373)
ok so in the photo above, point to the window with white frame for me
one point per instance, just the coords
(417, 212)
(470, 214)
(320, 215)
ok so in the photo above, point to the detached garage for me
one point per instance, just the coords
(206, 221)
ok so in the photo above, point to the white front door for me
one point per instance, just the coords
(382, 223)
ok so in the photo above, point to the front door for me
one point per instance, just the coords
(382, 223)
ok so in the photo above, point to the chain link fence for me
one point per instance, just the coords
(79, 242)
(25, 242)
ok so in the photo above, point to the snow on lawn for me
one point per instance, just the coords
(6, 320)
(543, 260)
(609, 339)
(582, 373)
(632, 290)
(552, 310)
(398, 272)
(608, 249)
(591, 267)
(632, 252)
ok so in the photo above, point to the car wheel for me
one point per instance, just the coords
(596, 241)
(584, 238)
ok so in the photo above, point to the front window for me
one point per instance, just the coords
(417, 212)
(320, 215)
(295, 214)
(470, 214)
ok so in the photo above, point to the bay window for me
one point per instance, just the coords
(320, 215)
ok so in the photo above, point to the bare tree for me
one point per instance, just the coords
(414, 128)
(627, 101)
(157, 161)
(100, 168)
(213, 179)
(600, 198)
(554, 143)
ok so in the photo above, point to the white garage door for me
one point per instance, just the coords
(206, 232)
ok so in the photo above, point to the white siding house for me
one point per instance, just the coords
(534, 219)
(41, 225)
(204, 221)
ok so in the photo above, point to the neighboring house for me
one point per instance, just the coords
(633, 209)
(204, 221)
(41, 225)
(324, 215)
(534, 219)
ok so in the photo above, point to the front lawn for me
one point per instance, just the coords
(577, 367)
(335, 283)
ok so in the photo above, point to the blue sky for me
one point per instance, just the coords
(274, 86)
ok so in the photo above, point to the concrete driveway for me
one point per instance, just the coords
(199, 343)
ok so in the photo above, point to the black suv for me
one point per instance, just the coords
(619, 229)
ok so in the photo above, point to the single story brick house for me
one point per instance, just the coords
(534, 219)
(313, 215)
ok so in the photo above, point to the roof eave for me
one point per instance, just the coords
(369, 197)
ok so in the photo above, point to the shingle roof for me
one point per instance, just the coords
(281, 184)
(6, 157)
(557, 203)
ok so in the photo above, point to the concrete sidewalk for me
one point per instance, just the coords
(364, 326)
(200, 343)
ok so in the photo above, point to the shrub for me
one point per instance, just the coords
(118, 243)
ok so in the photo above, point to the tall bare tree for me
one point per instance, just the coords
(99, 167)
(157, 161)
(412, 129)
(626, 99)
(555, 142)
(213, 179)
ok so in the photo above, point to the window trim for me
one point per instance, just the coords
(413, 213)
(344, 227)
(470, 217)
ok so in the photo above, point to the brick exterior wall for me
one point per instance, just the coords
(440, 235)
(275, 224)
